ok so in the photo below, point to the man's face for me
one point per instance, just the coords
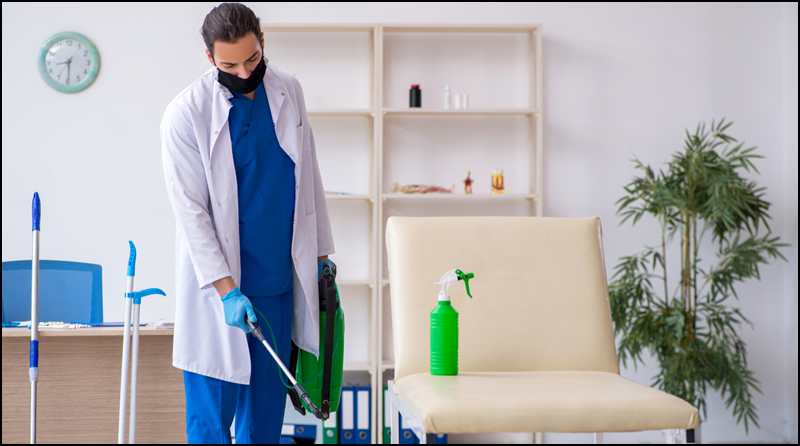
(240, 58)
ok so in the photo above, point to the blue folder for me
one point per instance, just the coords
(347, 416)
(298, 433)
(363, 415)
(406, 434)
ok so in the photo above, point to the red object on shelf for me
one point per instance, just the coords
(414, 85)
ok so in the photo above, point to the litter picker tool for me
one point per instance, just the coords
(33, 372)
(131, 299)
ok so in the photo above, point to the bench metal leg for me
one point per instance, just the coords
(397, 407)
(395, 426)
(680, 436)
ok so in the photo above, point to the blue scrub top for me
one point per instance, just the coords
(265, 183)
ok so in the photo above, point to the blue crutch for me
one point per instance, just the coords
(135, 299)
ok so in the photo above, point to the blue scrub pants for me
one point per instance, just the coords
(211, 403)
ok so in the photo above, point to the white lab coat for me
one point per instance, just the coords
(201, 183)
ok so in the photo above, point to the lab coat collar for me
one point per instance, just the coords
(276, 92)
(274, 87)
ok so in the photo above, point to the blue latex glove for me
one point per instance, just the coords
(319, 268)
(236, 306)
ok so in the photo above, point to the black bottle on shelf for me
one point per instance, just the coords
(415, 96)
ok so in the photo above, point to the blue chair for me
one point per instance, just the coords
(68, 291)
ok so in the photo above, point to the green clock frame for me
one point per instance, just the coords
(95, 56)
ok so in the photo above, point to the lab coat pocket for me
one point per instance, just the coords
(311, 224)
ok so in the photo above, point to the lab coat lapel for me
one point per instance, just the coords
(219, 112)
(276, 96)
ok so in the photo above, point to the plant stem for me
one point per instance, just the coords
(694, 280)
(664, 260)
(687, 262)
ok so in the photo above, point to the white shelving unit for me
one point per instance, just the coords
(352, 74)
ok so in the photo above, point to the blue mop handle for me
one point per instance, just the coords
(33, 371)
(37, 211)
(36, 217)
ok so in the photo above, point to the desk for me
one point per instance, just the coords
(78, 390)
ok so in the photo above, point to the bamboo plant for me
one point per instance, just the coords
(692, 330)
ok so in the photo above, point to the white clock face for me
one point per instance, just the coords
(68, 62)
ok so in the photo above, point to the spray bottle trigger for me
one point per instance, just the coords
(465, 278)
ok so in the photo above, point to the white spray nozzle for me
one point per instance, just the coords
(451, 277)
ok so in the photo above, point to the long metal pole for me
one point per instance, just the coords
(126, 345)
(134, 372)
(33, 372)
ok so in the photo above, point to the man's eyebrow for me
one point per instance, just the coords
(231, 63)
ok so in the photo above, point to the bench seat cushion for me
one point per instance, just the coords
(542, 401)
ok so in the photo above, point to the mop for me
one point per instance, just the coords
(33, 372)
(131, 298)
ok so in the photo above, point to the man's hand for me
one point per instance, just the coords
(236, 306)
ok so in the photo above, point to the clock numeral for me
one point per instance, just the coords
(69, 43)
(51, 71)
(58, 78)
(78, 79)
(79, 46)
(67, 81)
(88, 62)
(85, 52)
(84, 71)
(48, 61)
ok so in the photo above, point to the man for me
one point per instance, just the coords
(242, 176)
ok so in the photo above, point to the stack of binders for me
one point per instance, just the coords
(354, 419)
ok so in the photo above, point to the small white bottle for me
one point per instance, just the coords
(458, 101)
(446, 96)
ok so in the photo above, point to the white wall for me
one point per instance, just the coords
(619, 79)
(790, 211)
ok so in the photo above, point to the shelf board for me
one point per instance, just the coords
(354, 283)
(349, 197)
(450, 28)
(387, 365)
(384, 282)
(459, 197)
(396, 28)
(358, 366)
(342, 112)
(316, 28)
(460, 112)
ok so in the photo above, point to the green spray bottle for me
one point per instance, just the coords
(444, 326)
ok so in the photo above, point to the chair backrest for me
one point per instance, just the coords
(540, 292)
(68, 291)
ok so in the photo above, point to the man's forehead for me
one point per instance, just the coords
(241, 50)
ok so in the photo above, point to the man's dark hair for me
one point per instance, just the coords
(228, 23)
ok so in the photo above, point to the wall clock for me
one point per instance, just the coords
(68, 62)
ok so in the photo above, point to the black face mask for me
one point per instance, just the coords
(243, 86)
